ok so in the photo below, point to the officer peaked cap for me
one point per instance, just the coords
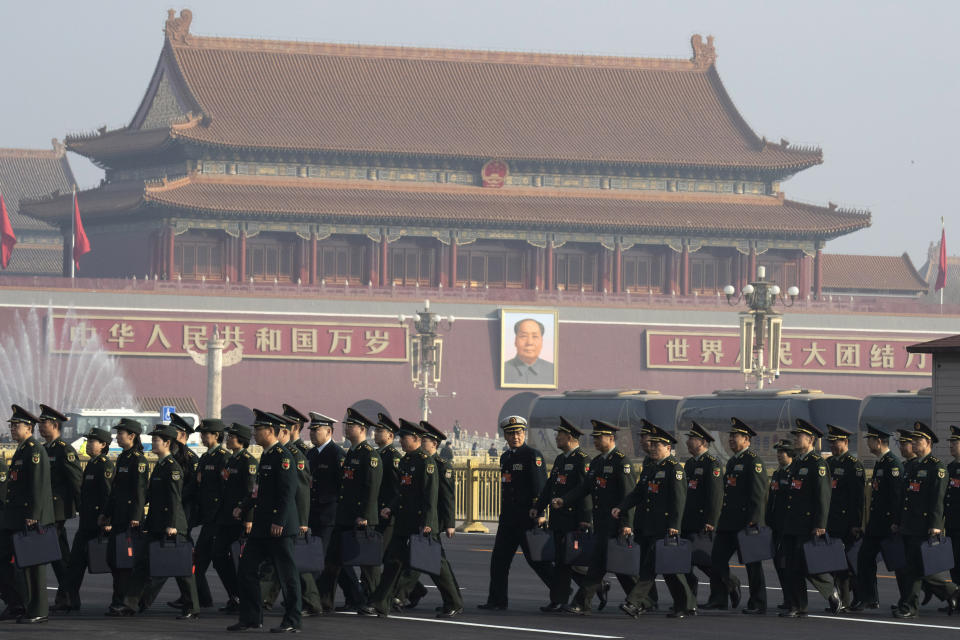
(386, 422)
(99, 434)
(657, 434)
(318, 419)
(49, 413)
(696, 431)
(408, 428)
(807, 428)
(603, 428)
(178, 422)
(290, 412)
(22, 415)
(567, 427)
(211, 425)
(874, 432)
(836, 433)
(241, 431)
(954, 432)
(284, 422)
(513, 423)
(167, 431)
(739, 426)
(129, 425)
(921, 430)
(357, 418)
(262, 419)
(431, 431)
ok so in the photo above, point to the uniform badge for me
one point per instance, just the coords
(285, 464)
(71, 457)
(759, 467)
(822, 471)
(679, 475)
(225, 474)
(374, 462)
(36, 458)
(107, 473)
(586, 468)
(3, 476)
(895, 472)
(626, 469)
(539, 461)
(175, 475)
(448, 474)
(430, 468)
(941, 474)
(716, 472)
(252, 469)
(300, 465)
(396, 463)
(141, 467)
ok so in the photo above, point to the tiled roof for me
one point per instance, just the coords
(35, 260)
(463, 206)
(30, 173)
(950, 343)
(871, 273)
(157, 403)
(456, 103)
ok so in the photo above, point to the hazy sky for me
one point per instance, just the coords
(873, 83)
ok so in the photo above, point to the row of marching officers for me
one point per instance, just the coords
(806, 501)
(248, 511)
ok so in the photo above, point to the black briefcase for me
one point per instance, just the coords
(853, 553)
(97, 554)
(425, 554)
(937, 555)
(361, 548)
(824, 555)
(756, 544)
(701, 549)
(540, 543)
(893, 552)
(578, 548)
(673, 555)
(36, 546)
(126, 546)
(624, 555)
(308, 554)
(171, 559)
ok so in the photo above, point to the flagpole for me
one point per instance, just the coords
(942, 231)
(73, 234)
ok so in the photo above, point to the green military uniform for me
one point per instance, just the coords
(951, 507)
(925, 485)
(776, 514)
(65, 479)
(94, 495)
(569, 471)
(272, 502)
(240, 473)
(164, 511)
(608, 481)
(847, 501)
(4, 468)
(704, 497)
(807, 508)
(886, 497)
(29, 497)
(744, 499)
(126, 502)
(210, 486)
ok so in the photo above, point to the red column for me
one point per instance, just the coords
(538, 268)
(313, 259)
(685, 271)
(227, 264)
(243, 257)
(384, 261)
(156, 250)
(443, 265)
(453, 262)
(818, 275)
(669, 264)
(603, 264)
(752, 268)
(618, 267)
(171, 245)
(303, 260)
(548, 285)
(373, 275)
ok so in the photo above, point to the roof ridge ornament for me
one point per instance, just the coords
(178, 29)
(704, 54)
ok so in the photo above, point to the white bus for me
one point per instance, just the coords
(85, 419)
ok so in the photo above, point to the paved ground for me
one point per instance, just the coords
(470, 556)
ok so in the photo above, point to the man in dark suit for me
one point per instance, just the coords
(847, 500)
(210, 486)
(29, 504)
(777, 501)
(276, 521)
(951, 501)
(704, 494)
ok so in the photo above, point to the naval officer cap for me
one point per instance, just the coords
(568, 427)
(920, 430)
(513, 423)
(290, 412)
(431, 431)
(22, 416)
(49, 413)
(739, 426)
(320, 420)
(386, 422)
(697, 431)
(357, 418)
(603, 428)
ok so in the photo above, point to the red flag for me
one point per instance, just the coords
(7, 239)
(942, 274)
(81, 244)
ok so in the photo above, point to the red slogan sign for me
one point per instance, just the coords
(881, 355)
(178, 337)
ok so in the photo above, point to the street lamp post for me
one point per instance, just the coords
(760, 326)
(426, 355)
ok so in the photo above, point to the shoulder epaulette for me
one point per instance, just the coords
(934, 459)
(619, 454)
(751, 453)
(28, 442)
(854, 458)
(581, 453)
(365, 445)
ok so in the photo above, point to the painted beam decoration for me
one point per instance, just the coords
(800, 352)
(259, 339)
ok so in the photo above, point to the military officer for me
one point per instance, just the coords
(210, 486)
(384, 433)
(608, 481)
(165, 519)
(847, 500)
(326, 461)
(4, 469)
(808, 507)
(65, 478)
(522, 477)
(883, 518)
(951, 501)
(94, 494)
(776, 514)
(925, 485)
(357, 502)
(744, 497)
(276, 521)
(29, 504)
(569, 471)
(240, 476)
(704, 493)
(299, 421)
(415, 510)
(125, 506)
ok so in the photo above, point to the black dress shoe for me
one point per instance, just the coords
(793, 613)
(449, 613)
(631, 610)
(120, 612)
(62, 608)
(713, 606)
(953, 603)
(553, 607)
(308, 613)
(366, 611)
(754, 611)
(31, 620)
(904, 614)
(188, 615)
(735, 597)
(835, 606)
(243, 626)
(489, 606)
(677, 614)
(574, 610)
(232, 606)
(176, 604)
(285, 628)
(603, 594)
(345, 607)
(11, 613)
(416, 596)
(927, 596)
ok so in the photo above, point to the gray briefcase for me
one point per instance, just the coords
(540, 543)
(937, 555)
(425, 554)
(673, 555)
(97, 554)
(36, 546)
(824, 555)
(755, 544)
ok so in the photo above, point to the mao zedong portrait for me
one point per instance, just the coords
(527, 367)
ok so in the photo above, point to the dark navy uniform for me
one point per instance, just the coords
(210, 487)
(776, 514)
(704, 497)
(951, 507)
(522, 478)
(608, 481)
(847, 500)
(744, 499)
(240, 476)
